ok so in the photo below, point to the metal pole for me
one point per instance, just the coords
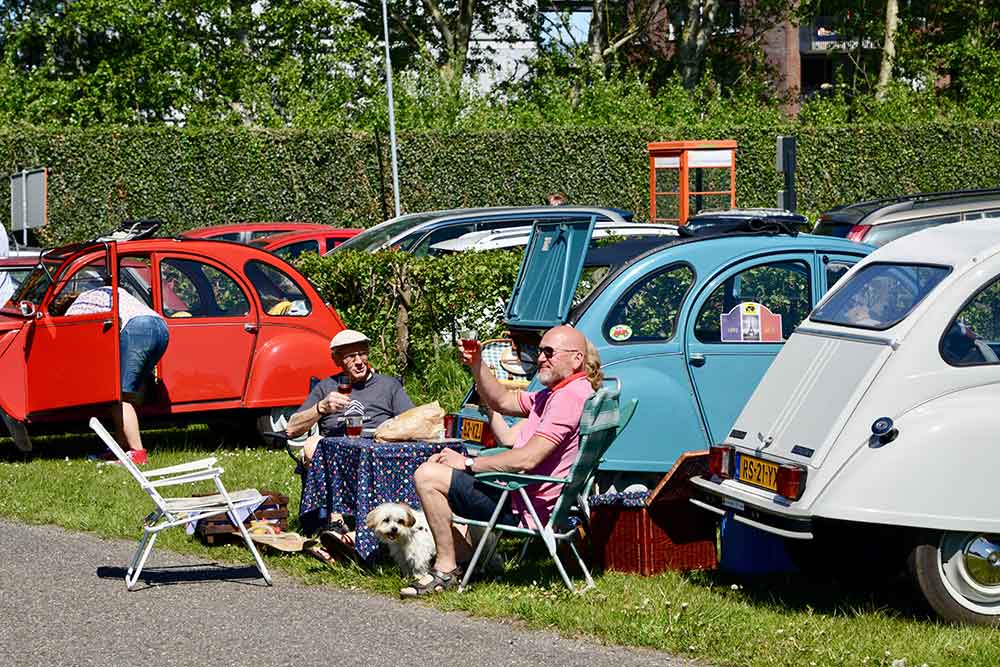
(24, 207)
(392, 113)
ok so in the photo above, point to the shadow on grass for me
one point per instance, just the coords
(154, 577)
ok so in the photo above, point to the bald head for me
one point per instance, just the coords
(562, 352)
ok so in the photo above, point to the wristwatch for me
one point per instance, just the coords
(468, 465)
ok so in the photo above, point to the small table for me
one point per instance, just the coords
(353, 476)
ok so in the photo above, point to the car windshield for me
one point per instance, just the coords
(880, 295)
(371, 239)
(34, 286)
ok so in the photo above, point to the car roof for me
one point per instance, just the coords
(212, 230)
(960, 245)
(893, 209)
(508, 237)
(284, 238)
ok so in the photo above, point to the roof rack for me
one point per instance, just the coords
(131, 230)
(922, 196)
(757, 225)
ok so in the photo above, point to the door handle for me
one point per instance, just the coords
(107, 324)
(697, 359)
(250, 328)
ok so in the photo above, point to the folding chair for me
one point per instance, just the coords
(600, 424)
(172, 512)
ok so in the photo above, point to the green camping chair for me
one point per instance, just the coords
(600, 424)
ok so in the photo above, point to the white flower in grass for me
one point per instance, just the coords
(899, 662)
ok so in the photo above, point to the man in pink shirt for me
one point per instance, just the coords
(544, 443)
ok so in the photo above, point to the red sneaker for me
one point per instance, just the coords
(136, 456)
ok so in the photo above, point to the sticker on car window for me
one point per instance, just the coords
(620, 332)
(750, 322)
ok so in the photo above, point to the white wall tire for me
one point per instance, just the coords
(276, 420)
(959, 575)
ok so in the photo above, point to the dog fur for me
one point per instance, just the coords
(404, 530)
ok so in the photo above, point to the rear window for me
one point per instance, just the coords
(880, 295)
(879, 235)
(832, 228)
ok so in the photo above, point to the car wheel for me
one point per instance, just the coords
(959, 575)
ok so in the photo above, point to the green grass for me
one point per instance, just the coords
(725, 621)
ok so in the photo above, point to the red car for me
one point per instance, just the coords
(247, 331)
(289, 245)
(245, 232)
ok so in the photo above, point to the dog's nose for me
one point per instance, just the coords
(393, 531)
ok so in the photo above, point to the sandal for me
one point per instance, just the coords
(319, 553)
(339, 546)
(439, 582)
(337, 526)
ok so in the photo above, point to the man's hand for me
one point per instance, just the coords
(450, 458)
(332, 403)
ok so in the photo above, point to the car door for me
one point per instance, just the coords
(71, 351)
(833, 266)
(213, 329)
(737, 324)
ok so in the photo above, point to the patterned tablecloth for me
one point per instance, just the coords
(355, 475)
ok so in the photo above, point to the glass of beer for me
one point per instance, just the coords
(353, 425)
(345, 386)
(470, 340)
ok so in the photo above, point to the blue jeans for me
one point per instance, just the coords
(142, 343)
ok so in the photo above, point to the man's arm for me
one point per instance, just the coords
(315, 408)
(491, 392)
(522, 459)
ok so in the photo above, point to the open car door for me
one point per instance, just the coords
(72, 357)
(549, 273)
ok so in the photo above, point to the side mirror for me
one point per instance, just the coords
(27, 308)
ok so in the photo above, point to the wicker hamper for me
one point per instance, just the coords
(662, 531)
(220, 528)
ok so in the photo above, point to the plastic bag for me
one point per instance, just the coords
(424, 422)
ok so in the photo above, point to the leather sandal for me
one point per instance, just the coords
(439, 582)
(340, 546)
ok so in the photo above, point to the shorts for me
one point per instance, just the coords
(470, 499)
(141, 344)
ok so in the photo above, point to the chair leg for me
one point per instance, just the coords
(583, 566)
(139, 560)
(252, 547)
(482, 542)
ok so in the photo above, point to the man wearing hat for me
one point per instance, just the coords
(380, 397)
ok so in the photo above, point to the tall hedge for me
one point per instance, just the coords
(192, 177)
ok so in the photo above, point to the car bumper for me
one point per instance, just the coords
(763, 512)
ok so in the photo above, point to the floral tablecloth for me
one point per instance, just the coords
(355, 475)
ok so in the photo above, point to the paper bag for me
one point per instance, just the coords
(424, 422)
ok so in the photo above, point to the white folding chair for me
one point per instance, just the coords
(172, 512)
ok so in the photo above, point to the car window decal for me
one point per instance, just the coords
(620, 332)
(750, 322)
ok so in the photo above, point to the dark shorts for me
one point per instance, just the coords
(470, 499)
(142, 343)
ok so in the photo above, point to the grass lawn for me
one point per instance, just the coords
(725, 621)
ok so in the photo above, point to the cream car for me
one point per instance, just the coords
(880, 418)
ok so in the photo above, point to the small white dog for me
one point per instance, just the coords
(404, 530)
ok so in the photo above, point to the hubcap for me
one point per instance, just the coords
(970, 569)
(982, 560)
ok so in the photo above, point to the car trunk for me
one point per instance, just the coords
(808, 394)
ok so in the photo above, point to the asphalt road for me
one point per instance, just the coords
(63, 602)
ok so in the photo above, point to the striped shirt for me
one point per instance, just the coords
(99, 301)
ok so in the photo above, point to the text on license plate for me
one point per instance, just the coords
(751, 470)
(472, 430)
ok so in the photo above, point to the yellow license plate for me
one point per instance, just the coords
(472, 430)
(758, 472)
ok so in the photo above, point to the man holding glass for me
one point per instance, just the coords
(544, 443)
(358, 391)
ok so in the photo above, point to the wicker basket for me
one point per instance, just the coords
(664, 532)
(274, 510)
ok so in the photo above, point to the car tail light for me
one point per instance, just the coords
(489, 440)
(720, 459)
(449, 426)
(858, 233)
(791, 481)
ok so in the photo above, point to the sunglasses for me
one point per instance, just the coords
(549, 352)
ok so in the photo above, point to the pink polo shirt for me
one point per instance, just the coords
(553, 414)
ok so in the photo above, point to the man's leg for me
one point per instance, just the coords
(433, 481)
(309, 446)
(126, 426)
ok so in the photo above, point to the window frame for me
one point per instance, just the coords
(165, 258)
(991, 282)
(310, 307)
(628, 293)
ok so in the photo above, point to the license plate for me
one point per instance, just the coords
(751, 470)
(472, 430)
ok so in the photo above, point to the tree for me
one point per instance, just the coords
(699, 22)
(888, 48)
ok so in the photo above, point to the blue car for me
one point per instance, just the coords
(687, 325)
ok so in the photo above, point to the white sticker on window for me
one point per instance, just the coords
(620, 332)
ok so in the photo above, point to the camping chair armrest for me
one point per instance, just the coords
(493, 450)
(201, 464)
(187, 478)
(512, 480)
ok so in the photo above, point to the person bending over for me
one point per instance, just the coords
(545, 443)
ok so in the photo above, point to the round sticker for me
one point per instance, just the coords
(620, 332)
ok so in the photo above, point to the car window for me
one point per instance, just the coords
(293, 250)
(134, 277)
(437, 236)
(91, 276)
(973, 339)
(197, 289)
(880, 295)
(648, 310)
(228, 236)
(279, 294)
(782, 288)
(835, 271)
(881, 234)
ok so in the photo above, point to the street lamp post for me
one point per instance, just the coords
(392, 114)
